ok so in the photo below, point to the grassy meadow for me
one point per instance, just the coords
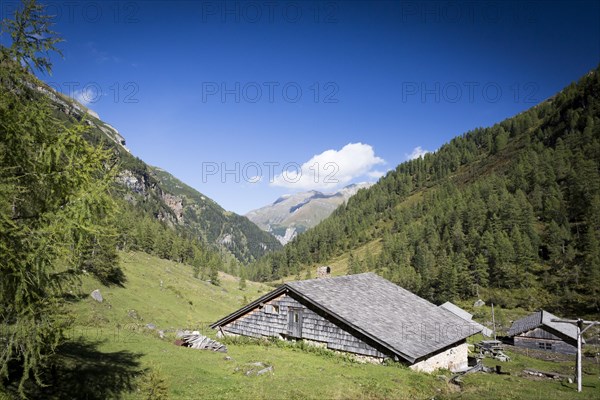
(111, 353)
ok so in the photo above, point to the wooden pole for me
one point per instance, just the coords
(579, 323)
(494, 321)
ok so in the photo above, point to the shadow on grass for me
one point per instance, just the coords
(113, 277)
(80, 371)
(584, 386)
(74, 297)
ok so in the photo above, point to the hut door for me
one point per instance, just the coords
(295, 322)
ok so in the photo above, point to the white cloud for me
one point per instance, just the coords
(87, 95)
(255, 179)
(330, 169)
(417, 152)
(375, 174)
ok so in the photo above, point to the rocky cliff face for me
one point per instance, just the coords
(293, 214)
(175, 203)
(137, 184)
(77, 111)
(232, 232)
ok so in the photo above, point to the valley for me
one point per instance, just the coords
(407, 223)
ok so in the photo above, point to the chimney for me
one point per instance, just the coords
(323, 271)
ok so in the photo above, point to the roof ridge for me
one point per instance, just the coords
(332, 277)
(541, 318)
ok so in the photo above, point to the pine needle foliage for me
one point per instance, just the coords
(55, 204)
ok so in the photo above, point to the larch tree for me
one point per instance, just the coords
(54, 201)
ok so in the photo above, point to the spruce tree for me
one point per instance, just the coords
(242, 285)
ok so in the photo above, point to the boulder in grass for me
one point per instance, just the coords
(97, 296)
(257, 368)
(265, 370)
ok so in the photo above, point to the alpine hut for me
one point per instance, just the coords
(362, 314)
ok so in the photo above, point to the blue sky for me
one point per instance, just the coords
(225, 95)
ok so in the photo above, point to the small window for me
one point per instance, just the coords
(545, 346)
(271, 309)
(296, 319)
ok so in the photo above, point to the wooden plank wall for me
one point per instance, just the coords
(260, 323)
(558, 346)
(540, 333)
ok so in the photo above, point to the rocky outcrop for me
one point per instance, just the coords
(136, 184)
(175, 203)
(227, 240)
(142, 187)
(113, 135)
(73, 108)
(290, 233)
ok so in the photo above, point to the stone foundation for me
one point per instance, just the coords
(453, 359)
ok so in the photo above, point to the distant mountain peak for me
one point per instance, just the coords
(294, 213)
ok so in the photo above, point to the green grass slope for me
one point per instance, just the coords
(160, 292)
(111, 353)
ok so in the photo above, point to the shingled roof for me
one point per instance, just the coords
(544, 319)
(456, 310)
(393, 317)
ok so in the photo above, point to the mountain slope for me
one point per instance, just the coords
(205, 217)
(293, 214)
(157, 193)
(513, 210)
(161, 292)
